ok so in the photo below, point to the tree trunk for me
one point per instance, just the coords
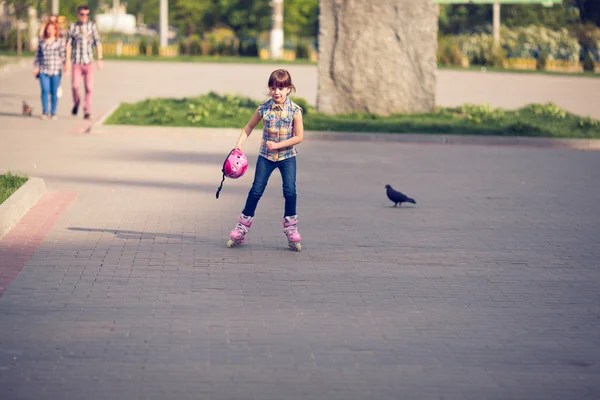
(377, 56)
(19, 38)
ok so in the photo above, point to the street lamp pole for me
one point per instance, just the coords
(496, 25)
(164, 22)
(277, 29)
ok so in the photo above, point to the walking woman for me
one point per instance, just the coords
(50, 62)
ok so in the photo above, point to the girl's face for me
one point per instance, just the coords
(279, 94)
(51, 32)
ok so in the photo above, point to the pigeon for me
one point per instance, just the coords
(26, 109)
(398, 197)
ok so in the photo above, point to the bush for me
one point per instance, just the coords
(549, 110)
(143, 44)
(155, 47)
(184, 47)
(223, 42)
(524, 42)
(587, 123)
(448, 52)
(190, 46)
(306, 108)
(481, 113)
(8, 39)
(195, 45)
(496, 57)
(302, 50)
(588, 63)
(249, 47)
(588, 36)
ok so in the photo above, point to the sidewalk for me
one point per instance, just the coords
(487, 288)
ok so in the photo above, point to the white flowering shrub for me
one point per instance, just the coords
(524, 42)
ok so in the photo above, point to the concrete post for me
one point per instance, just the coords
(277, 30)
(496, 25)
(164, 23)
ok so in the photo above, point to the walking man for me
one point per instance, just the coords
(81, 39)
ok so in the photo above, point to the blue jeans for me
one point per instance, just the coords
(264, 168)
(49, 84)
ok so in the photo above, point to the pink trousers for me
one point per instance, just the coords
(86, 72)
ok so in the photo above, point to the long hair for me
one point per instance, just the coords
(56, 30)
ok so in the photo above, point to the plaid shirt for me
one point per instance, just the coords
(51, 57)
(83, 37)
(278, 121)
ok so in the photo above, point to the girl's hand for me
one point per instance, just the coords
(271, 145)
(36, 72)
(238, 147)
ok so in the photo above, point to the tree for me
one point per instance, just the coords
(246, 17)
(458, 18)
(21, 11)
(555, 17)
(301, 17)
(377, 57)
(146, 10)
(188, 15)
(589, 10)
(466, 18)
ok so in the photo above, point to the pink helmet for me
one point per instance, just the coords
(234, 167)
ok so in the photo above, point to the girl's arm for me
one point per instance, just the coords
(38, 60)
(296, 139)
(248, 129)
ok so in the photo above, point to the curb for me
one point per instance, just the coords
(17, 205)
(98, 124)
(418, 138)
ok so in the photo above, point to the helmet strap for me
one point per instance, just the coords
(221, 186)
(223, 170)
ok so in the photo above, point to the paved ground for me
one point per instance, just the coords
(486, 289)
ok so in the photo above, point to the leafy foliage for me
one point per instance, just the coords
(230, 111)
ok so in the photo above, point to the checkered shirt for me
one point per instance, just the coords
(278, 121)
(82, 38)
(51, 57)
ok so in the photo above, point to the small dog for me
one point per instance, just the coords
(26, 109)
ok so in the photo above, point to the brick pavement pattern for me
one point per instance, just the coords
(23, 240)
(488, 288)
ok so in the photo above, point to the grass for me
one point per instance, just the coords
(212, 110)
(9, 184)
(12, 53)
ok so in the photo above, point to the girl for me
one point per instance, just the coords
(50, 61)
(283, 129)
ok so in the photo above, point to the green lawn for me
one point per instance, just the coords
(212, 110)
(9, 184)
